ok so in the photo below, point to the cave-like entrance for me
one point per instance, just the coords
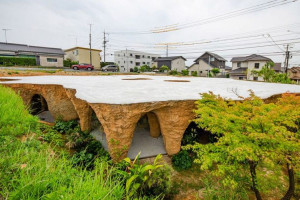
(147, 138)
(39, 107)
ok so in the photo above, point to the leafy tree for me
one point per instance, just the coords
(215, 71)
(164, 68)
(173, 72)
(135, 69)
(194, 73)
(145, 68)
(269, 75)
(250, 133)
(154, 67)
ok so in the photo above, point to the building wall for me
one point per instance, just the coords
(251, 67)
(83, 56)
(127, 60)
(243, 65)
(45, 63)
(203, 69)
(178, 64)
(214, 62)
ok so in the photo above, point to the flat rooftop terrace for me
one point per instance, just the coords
(129, 89)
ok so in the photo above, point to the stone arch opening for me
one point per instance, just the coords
(39, 107)
(195, 134)
(147, 137)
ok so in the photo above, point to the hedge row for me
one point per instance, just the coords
(11, 61)
(69, 63)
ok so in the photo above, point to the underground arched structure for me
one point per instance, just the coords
(119, 102)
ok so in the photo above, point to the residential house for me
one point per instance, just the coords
(242, 67)
(206, 62)
(44, 56)
(173, 63)
(128, 59)
(82, 55)
(294, 74)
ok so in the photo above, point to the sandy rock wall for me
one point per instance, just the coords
(58, 102)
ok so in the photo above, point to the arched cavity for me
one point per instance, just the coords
(39, 107)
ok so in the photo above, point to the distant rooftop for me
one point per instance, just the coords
(12, 47)
(220, 58)
(168, 58)
(253, 57)
(82, 48)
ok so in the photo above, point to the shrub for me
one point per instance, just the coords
(182, 161)
(215, 71)
(173, 72)
(10, 61)
(150, 180)
(194, 73)
(69, 63)
(185, 72)
(135, 69)
(65, 126)
(164, 68)
(143, 69)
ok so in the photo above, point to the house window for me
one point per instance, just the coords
(137, 56)
(137, 64)
(256, 65)
(124, 61)
(51, 59)
(75, 52)
(241, 78)
(131, 54)
(148, 56)
(148, 63)
(212, 59)
(131, 62)
(143, 56)
(239, 64)
(144, 63)
(200, 72)
(255, 78)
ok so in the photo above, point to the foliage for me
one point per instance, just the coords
(145, 179)
(30, 169)
(182, 161)
(164, 68)
(65, 126)
(154, 67)
(185, 72)
(173, 72)
(145, 68)
(15, 119)
(194, 73)
(11, 61)
(251, 133)
(269, 75)
(69, 63)
(215, 71)
(135, 69)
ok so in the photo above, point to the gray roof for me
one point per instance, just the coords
(253, 57)
(238, 71)
(212, 54)
(32, 49)
(168, 58)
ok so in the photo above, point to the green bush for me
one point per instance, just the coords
(135, 69)
(194, 73)
(173, 72)
(164, 68)
(11, 61)
(65, 126)
(69, 63)
(182, 161)
(185, 72)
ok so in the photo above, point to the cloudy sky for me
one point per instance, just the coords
(202, 26)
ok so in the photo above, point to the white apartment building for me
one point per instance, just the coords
(128, 59)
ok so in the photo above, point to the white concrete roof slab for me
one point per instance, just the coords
(115, 90)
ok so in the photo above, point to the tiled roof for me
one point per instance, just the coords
(253, 57)
(26, 48)
(168, 58)
(238, 71)
(212, 54)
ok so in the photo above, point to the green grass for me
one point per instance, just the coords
(30, 169)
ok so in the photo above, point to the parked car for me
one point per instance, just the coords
(83, 66)
(110, 68)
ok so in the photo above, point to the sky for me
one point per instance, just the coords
(128, 24)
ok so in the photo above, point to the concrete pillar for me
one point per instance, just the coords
(154, 125)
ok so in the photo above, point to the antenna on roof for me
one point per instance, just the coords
(5, 30)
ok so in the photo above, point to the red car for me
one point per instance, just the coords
(83, 66)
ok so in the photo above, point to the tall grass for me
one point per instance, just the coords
(30, 169)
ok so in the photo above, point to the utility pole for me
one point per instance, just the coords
(104, 45)
(167, 53)
(90, 44)
(287, 57)
(5, 30)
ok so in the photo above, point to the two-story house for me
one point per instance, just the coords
(173, 63)
(206, 62)
(242, 67)
(294, 74)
